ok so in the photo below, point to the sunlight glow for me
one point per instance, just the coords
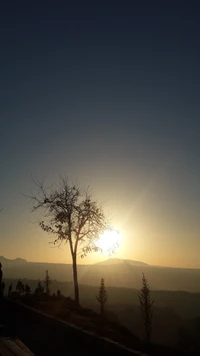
(109, 241)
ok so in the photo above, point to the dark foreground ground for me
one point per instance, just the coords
(46, 336)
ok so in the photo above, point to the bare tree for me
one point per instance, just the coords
(146, 306)
(72, 216)
(47, 282)
(102, 297)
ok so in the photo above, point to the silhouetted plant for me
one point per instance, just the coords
(20, 287)
(39, 289)
(146, 306)
(47, 282)
(102, 297)
(10, 289)
(27, 289)
(71, 216)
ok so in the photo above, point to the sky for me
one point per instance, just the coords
(106, 93)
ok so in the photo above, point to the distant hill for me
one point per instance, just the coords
(116, 272)
(115, 261)
(10, 262)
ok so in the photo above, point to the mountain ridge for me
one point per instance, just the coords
(114, 261)
(106, 262)
(121, 273)
(17, 260)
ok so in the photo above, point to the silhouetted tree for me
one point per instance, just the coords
(10, 289)
(1, 276)
(39, 289)
(2, 288)
(47, 282)
(102, 297)
(27, 289)
(1, 273)
(146, 306)
(72, 216)
(20, 287)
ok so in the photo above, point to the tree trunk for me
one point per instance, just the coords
(75, 277)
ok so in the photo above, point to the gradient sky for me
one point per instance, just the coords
(108, 95)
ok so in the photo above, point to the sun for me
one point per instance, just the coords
(109, 241)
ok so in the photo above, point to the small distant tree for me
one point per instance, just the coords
(47, 282)
(27, 289)
(39, 289)
(10, 289)
(102, 297)
(58, 293)
(20, 287)
(146, 306)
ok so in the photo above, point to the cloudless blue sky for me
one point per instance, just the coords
(106, 93)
